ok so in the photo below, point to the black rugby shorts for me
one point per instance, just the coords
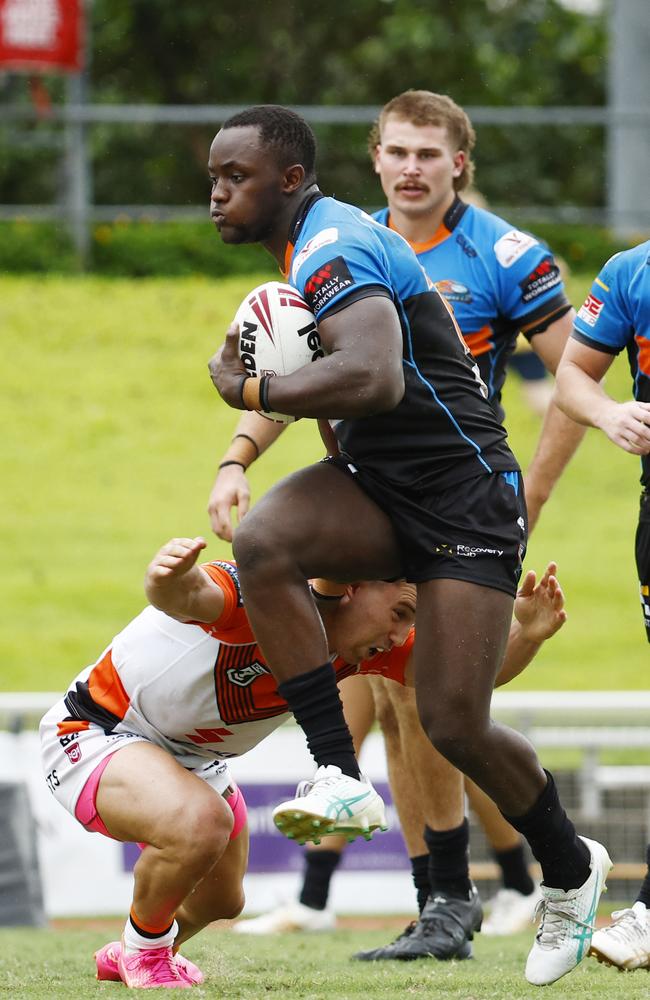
(475, 530)
(642, 552)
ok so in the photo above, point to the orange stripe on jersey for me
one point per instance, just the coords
(644, 353)
(72, 726)
(105, 687)
(480, 341)
(288, 254)
(439, 236)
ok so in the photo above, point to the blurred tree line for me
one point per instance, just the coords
(489, 52)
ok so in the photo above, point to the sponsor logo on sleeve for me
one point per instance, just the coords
(321, 239)
(513, 245)
(590, 310)
(544, 277)
(326, 283)
(454, 291)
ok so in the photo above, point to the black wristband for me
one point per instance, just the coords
(264, 393)
(252, 441)
(232, 462)
(241, 390)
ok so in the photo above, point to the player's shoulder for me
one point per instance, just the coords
(625, 265)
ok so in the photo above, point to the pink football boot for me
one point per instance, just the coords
(107, 970)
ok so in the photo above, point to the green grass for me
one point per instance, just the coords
(112, 434)
(47, 964)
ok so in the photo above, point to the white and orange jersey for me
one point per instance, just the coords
(198, 690)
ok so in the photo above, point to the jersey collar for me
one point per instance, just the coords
(305, 206)
(451, 218)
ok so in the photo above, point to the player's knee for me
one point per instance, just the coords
(203, 831)
(259, 551)
(453, 732)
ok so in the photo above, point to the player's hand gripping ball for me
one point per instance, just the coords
(277, 334)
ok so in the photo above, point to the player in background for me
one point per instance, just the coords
(424, 487)
(138, 748)
(614, 318)
(499, 281)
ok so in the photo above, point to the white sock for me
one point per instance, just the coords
(640, 910)
(133, 941)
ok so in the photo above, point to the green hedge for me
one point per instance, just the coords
(131, 248)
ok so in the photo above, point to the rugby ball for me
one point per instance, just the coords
(277, 334)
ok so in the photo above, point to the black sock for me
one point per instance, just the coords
(514, 870)
(319, 868)
(564, 858)
(644, 891)
(315, 702)
(420, 874)
(449, 861)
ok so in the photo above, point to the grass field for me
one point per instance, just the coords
(42, 965)
(112, 436)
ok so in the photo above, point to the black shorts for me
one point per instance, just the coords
(475, 530)
(642, 552)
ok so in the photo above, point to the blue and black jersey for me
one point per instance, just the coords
(443, 431)
(498, 280)
(615, 317)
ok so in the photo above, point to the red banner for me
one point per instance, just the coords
(41, 35)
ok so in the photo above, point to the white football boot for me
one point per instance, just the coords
(290, 917)
(625, 943)
(567, 924)
(331, 802)
(511, 912)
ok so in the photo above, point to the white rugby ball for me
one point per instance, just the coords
(277, 334)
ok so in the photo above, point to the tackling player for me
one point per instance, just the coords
(425, 486)
(499, 281)
(138, 747)
(614, 318)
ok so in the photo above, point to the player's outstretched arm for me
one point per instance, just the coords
(174, 583)
(560, 436)
(254, 434)
(539, 613)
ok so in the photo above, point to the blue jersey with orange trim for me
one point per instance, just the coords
(499, 281)
(615, 317)
(443, 431)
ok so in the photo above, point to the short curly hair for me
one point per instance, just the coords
(285, 131)
(423, 107)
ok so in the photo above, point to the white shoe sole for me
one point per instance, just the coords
(301, 825)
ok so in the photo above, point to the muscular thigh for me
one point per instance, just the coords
(461, 634)
(144, 795)
(320, 517)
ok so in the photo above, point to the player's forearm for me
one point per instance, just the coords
(253, 435)
(339, 386)
(580, 396)
(519, 652)
(558, 441)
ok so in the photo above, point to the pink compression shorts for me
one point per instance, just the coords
(86, 811)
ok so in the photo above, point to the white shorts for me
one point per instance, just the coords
(72, 755)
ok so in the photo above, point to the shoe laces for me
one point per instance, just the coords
(626, 925)
(160, 964)
(554, 918)
(323, 778)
